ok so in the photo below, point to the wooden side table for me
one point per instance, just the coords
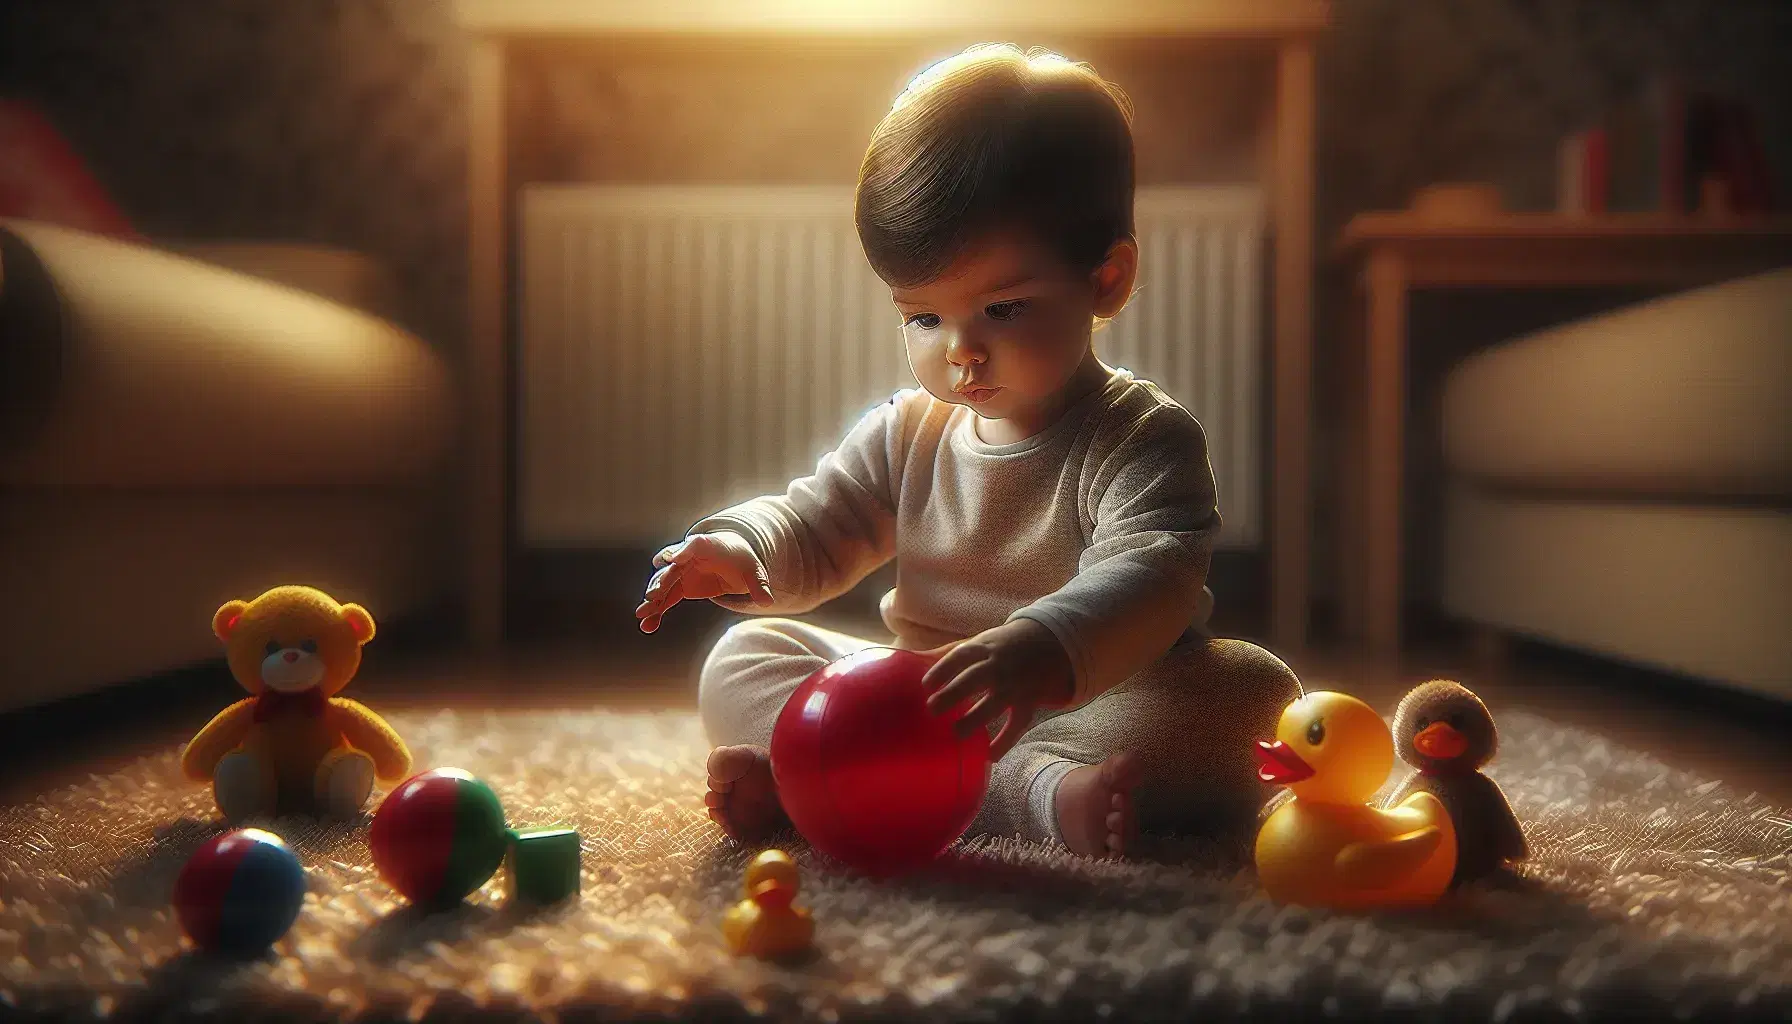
(1390, 254)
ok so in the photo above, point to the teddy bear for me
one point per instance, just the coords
(293, 745)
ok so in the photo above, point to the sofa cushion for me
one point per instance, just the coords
(1700, 590)
(125, 366)
(354, 279)
(1686, 396)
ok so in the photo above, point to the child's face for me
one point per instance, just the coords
(1008, 317)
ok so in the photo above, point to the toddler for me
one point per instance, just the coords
(1052, 517)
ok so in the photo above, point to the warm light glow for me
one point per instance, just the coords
(1038, 58)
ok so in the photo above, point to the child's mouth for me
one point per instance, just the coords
(980, 394)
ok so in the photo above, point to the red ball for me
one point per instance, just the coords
(867, 773)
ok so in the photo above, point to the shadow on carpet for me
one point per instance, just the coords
(1651, 894)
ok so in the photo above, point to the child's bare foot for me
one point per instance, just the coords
(742, 796)
(1095, 811)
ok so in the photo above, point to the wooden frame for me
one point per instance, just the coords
(1210, 18)
(1291, 25)
(1392, 253)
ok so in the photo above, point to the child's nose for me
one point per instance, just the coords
(961, 353)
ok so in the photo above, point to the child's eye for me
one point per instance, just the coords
(925, 321)
(1006, 310)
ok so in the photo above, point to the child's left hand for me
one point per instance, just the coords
(1016, 666)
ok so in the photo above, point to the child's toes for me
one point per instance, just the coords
(728, 765)
(1120, 823)
(743, 793)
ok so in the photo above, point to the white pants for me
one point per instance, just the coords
(1190, 717)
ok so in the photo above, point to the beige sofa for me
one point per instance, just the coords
(1623, 485)
(175, 433)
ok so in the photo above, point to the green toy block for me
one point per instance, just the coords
(542, 865)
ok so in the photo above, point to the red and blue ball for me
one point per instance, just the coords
(239, 892)
(438, 837)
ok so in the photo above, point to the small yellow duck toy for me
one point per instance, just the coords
(1326, 846)
(764, 924)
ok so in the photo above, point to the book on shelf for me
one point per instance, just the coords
(1582, 172)
(1656, 151)
(1740, 159)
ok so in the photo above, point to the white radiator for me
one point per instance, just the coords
(684, 348)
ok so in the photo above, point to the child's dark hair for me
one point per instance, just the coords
(994, 138)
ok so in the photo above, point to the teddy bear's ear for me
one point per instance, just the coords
(359, 621)
(224, 623)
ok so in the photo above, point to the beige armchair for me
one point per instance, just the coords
(1623, 485)
(175, 433)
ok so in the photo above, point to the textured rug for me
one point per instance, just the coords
(1652, 894)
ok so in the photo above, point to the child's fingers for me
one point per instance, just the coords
(936, 653)
(671, 593)
(654, 608)
(663, 556)
(665, 579)
(948, 665)
(656, 598)
(985, 711)
(978, 677)
(759, 587)
(683, 551)
(1019, 717)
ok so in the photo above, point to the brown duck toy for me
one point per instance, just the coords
(1446, 734)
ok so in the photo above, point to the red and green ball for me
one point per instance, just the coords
(438, 837)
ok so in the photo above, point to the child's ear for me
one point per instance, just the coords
(1114, 278)
(224, 623)
(359, 621)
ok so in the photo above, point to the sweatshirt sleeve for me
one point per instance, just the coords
(830, 529)
(1140, 582)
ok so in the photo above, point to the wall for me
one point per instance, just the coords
(645, 112)
(339, 121)
(329, 121)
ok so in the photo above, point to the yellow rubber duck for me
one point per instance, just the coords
(1327, 847)
(764, 924)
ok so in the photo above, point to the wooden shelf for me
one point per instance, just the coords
(1397, 225)
(1541, 250)
(1155, 18)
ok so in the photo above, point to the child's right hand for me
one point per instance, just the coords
(700, 567)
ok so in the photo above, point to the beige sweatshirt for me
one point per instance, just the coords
(1100, 527)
